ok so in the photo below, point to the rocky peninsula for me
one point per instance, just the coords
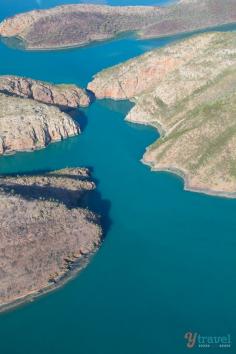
(51, 234)
(27, 125)
(31, 114)
(187, 92)
(63, 96)
(74, 25)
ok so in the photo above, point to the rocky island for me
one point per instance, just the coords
(31, 116)
(74, 25)
(51, 234)
(188, 92)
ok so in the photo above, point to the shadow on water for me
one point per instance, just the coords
(91, 95)
(98, 205)
(80, 117)
(121, 106)
(76, 114)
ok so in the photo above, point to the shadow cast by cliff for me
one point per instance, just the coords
(74, 191)
(79, 117)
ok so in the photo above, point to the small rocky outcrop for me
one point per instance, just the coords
(27, 125)
(63, 96)
(50, 234)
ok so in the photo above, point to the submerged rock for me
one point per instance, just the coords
(43, 231)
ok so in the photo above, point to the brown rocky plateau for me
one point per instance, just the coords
(27, 125)
(65, 96)
(44, 232)
(31, 113)
(74, 25)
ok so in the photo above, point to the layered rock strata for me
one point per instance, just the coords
(27, 125)
(63, 96)
(187, 91)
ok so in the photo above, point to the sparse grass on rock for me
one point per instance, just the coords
(188, 92)
(73, 25)
(44, 232)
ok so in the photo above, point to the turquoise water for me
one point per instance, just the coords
(168, 261)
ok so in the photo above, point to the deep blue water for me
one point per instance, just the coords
(168, 261)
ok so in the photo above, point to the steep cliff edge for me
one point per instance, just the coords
(28, 125)
(50, 234)
(63, 96)
(73, 25)
(187, 91)
(28, 120)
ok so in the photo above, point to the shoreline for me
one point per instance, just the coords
(179, 173)
(175, 171)
(24, 47)
(193, 32)
(137, 34)
(64, 251)
(39, 148)
(69, 275)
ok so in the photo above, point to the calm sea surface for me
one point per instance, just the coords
(168, 262)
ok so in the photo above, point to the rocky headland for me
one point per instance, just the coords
(45, 234)
(64, 96)
(188, 92)
(31, 113)
(74, 25)
(27, 125)
(52, 234)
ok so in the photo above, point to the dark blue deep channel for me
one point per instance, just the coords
(168, 261)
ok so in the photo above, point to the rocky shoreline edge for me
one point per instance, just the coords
(72, 273)
(177, 171)
(174, 170)
(80, 24)
(177, 90)
(183, 176)
(35, 113)
(53, 236)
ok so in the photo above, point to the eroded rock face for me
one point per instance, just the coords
(64, 96)
(188, 92)
(73, 25)
(145, 73)
(43, 231)
(28, 125)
